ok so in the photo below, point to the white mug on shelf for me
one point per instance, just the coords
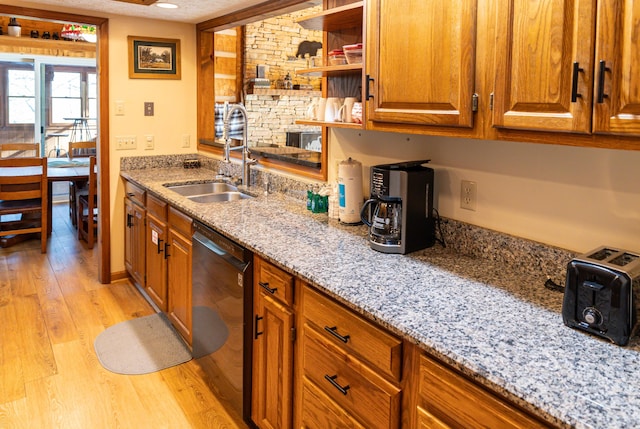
(332, 110)
(320, 109)
(345, 113)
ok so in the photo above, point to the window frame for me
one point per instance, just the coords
(5, 66)
(84, 71)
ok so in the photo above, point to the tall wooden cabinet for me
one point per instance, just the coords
(134, 240)
(420, 62)
(274, 335)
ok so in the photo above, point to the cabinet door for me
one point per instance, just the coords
(128, 235)
(538, 43)
(421, 57)
(134, 241)
(156, 269)
(617, 103)
(179, 283)
(272, 391)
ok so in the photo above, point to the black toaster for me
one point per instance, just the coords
(601, 293)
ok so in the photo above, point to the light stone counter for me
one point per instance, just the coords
(491, 321)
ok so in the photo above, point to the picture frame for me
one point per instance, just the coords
(154, 58)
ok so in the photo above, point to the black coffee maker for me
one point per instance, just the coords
(399, 213)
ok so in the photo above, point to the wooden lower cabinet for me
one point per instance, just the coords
(274, 335)
(341, 370)
(318, 411)
(447, 399)
(134, 239)
(179, 261)
(156, 243)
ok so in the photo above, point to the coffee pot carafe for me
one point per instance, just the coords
(400, 211)
(386, 220)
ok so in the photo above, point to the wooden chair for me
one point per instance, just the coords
(19, 150)
(83, 149)
(87, 210)
(78, 149)
(23, 191)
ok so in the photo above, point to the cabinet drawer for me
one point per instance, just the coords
(180, 222)
(274, 281)
(450, 398)
(359, 336)
(135, 193)
(157, 207)
(320, 412)
(367, 396)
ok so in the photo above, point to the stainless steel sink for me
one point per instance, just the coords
(193, 189)
(219, 197)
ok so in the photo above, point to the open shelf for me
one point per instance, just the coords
(334, 19)
(331, 70)
(330, 124)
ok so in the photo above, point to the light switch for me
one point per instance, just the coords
(148, 108)
(119, 108)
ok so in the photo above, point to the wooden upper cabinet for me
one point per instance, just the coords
(420, 58)
(544, 66)
(617, 99)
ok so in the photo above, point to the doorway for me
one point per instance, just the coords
(102, 119)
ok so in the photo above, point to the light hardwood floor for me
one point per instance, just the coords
(51, 309)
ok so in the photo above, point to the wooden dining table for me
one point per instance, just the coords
(59, 170)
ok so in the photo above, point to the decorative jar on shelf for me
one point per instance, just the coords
(14, 29)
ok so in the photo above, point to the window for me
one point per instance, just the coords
(21, 96)
(72, 93)
(66, 96)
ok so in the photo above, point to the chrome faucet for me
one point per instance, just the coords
(246, 155)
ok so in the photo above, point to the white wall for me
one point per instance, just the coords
(174, 104)
(574, 198)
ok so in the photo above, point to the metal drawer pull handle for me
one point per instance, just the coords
(166, 250)
(257, 334)
(160, 247)
(601, 94)
(266, 287)
(332, 380)
(334, 331)
(574, 82)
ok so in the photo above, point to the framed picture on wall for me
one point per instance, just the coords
(154, 58)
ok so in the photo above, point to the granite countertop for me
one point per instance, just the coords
(497, 325)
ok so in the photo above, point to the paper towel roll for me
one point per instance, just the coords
(350, 190)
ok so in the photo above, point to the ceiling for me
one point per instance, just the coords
(190, 11)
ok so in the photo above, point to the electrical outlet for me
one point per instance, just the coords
(126, 142)
(468, 195)
(148, 142)
(186, 140)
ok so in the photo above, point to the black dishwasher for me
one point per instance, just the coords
(222, 308)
